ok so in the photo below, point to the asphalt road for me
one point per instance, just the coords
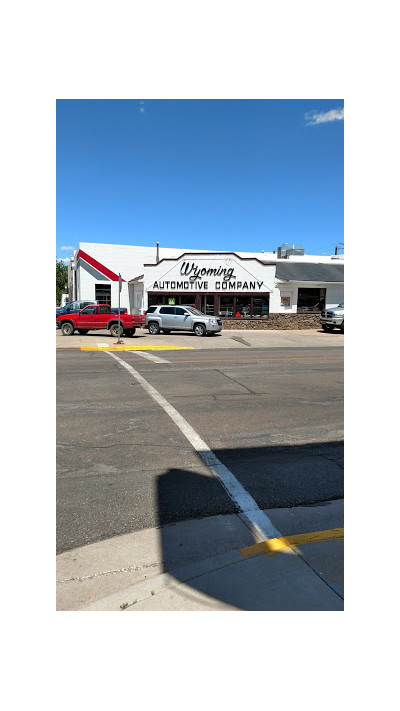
(274, 417)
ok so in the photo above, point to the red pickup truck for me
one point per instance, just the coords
(99, 316)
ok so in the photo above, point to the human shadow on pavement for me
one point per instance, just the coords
(202, 552)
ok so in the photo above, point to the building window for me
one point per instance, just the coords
(311, 300)
(239, 305)
(226, 306)
(155, 299)
(103, 293)
(260, 307)
(285, 301)
(186, 299)
(243, 307)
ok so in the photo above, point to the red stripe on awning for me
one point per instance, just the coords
(97, 265)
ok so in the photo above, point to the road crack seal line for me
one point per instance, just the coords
(126, 444)
(129, 569)
(241, 340)
(233, 380)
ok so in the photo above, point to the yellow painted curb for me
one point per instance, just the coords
(277, 545)
(136, 348)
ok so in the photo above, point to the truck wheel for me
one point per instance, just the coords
(166, 331)
(154, 328)
(200, 330)
(326, 328)
(342, 327)
(116, 331)
(67, 329)
(130, 332)
(82, 331)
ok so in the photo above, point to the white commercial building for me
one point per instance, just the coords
(231, 284)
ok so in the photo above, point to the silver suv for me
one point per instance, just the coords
(333, 318)
(181, 318)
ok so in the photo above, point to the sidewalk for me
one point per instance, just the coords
(212, 564)
(226, 339)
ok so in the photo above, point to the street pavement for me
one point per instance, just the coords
(138, 506)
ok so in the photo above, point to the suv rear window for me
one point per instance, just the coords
(151, 309)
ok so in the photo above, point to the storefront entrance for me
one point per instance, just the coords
(207, 304)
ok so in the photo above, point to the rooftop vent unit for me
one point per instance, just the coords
(286, 250)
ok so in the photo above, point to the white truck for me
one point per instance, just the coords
(333, 318)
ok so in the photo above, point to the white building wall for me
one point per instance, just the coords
(334, 296)
(275, 299)
(128, 260)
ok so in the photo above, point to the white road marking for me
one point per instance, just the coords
(150, 356)
(257, 518)
(102, 345)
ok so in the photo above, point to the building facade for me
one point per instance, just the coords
(253, 288)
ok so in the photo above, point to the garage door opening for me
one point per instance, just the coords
(311, 300)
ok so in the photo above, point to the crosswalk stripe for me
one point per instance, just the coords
(149, 356)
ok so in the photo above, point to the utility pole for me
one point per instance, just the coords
(119, 308)
(342, 247)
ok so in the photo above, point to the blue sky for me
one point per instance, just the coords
(240, 175)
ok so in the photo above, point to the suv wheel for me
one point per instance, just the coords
(199, 329)
(154, 328)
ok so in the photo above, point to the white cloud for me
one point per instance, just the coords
(63, 260)
(314, 118)
(68, 249)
